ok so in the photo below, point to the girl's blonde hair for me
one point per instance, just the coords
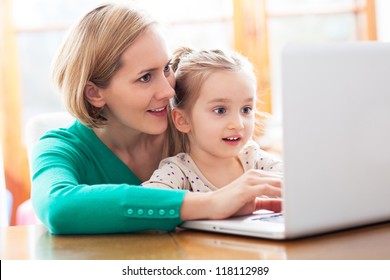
(92, 52)
(192, 68)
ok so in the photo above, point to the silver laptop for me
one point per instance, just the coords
(336, 138)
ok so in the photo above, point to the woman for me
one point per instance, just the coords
(114, 72)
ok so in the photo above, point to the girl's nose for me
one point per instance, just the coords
(236, 123)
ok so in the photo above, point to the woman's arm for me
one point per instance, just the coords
(73, 194)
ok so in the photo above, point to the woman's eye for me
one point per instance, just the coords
(247, 110)
(145, 78)
(220, 111)
(167, 68)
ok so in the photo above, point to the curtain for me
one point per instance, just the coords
(15, 158)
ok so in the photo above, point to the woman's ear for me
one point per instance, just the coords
(180, 120)
(94, 96)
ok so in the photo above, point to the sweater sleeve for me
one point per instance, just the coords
(66, 205)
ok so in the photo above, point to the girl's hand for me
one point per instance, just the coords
(246, 194)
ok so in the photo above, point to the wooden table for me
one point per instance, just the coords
(35, 242)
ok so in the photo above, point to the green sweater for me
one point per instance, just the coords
(80, 187)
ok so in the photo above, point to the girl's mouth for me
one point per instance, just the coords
(232, 140)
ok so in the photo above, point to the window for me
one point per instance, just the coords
(263, 27)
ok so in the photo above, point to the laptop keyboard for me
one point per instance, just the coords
(277, 218)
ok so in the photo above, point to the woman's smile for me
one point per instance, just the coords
(158, 112)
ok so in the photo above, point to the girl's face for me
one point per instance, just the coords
(137, 96)
(222, 119)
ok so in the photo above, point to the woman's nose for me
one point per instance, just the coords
(166, 88)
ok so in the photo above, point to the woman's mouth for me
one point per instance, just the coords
(158, 112)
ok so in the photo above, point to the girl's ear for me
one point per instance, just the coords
(180, 120)
(93, 94)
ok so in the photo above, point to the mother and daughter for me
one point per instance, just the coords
(157, 140)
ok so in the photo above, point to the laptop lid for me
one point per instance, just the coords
(336, 129)
(336, 120)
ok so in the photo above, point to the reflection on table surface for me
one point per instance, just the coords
(371, 242)
(35, 242)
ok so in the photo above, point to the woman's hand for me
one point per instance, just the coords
(252, 191)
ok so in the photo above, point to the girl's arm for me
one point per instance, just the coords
(168, 176)
(241, 197)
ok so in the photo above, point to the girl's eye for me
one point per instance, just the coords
(247, 110)
(220, 110)
(145, 78)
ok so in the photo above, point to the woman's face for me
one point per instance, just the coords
(137, 96)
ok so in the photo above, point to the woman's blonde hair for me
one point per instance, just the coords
(192, 68)
(92, 52)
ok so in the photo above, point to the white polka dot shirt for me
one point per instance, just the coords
(181, 172)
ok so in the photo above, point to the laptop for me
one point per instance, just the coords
(336, 143)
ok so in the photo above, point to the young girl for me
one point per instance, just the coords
(214, 113)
